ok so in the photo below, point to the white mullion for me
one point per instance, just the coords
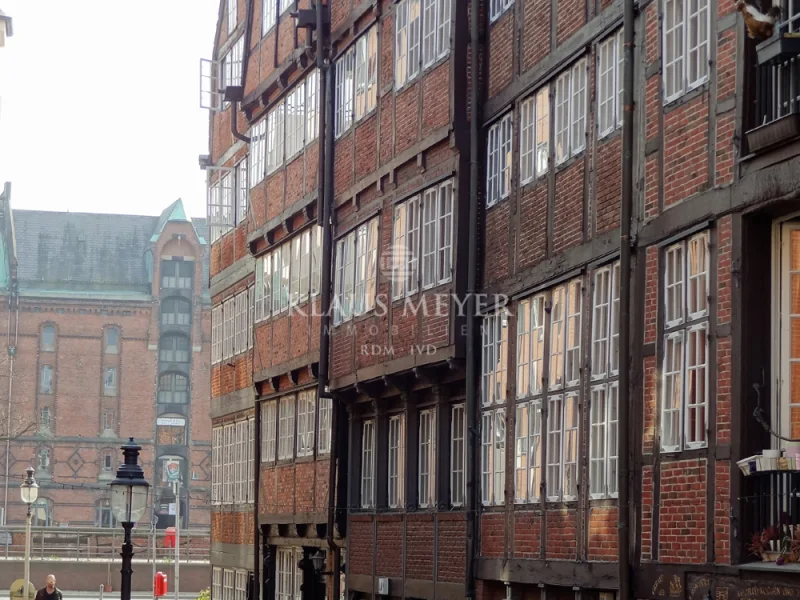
(554, 447)
(524, 347)
(612, 433)
(598, 442)
(695, 346)
(522, 453)
(600, 323)
(672, 391)
(571, 447)
(535, 450)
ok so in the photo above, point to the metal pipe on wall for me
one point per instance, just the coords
(626, 250)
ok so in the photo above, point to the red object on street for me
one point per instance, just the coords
(160, 584)
(169, 537)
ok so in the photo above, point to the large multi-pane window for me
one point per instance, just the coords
(256, 157)
(498, 7)
(493, 392)
(176, 311)
(217, 319)
(493, 456)
(356, 93)
(397, 461)
(232, 457)
(458, 455)
(356, 272)
(173, 388)
(288, 575)
(604, 390)
(306, 422)
(422, 36)
(686, 47)
(534, 135)
(268, 15)
(242, 191)
(498, 160)
(240, 463)
(495, 345)
(269, 424)
(368, 464)
(216, 583)
(220, 207)
(684, 387)
(423, 241)
(177, 274)
(232, 15)
(570, 118)
(287, 275)
(276, 121)
(427, 458)
(325, 420)
(232, 64)
(228, 461)
(286, 428)
(609, 85)
(174, 348)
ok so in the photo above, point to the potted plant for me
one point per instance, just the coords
(761, 544)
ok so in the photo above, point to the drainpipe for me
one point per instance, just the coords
(256, 487)
(245, 52)
(625, 252)
(472, 277)
(324, 211)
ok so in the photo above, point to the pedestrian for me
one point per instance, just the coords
(49, 591)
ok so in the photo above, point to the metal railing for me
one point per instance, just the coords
(777, 92)
(771, 514)
(100, 543)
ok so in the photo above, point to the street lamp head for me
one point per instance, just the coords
(129, 489)
(29, 490)
(318, 560)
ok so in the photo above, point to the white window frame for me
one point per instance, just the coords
(240, 461)
(528, 452)
(493, 452)
(263, 287)
(276, 137)
(295, 121)
(356, 272)
(610, 81)
(497, 8)
(571, 112)
(240, 590)
(216, 583)
(229, 433)
(366, 74)
(458, 455)
(368, 463)
(251, 460)
(232, 65)
(286, 420)
(426, 472)
(268, 15)
(603, 442)
(216, 465)
(257, 157)
(269, 427)
(287, 574)
(312, 108)
(534, 140)
(688, 69)
(435, 30)
(686, 316)
(494, 358)
(325, 421)
(228, 584)
(316, 260)
(397, 461)
(531, 319)
(407, 41)
(229, 329)
(498, 160)
(344, 92)
(232, 15)
(306, 422)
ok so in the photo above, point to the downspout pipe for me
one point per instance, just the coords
(324, 218)
(625, 252)
(245, 56)
(472, 279)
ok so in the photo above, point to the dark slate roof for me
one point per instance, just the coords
(88, 251)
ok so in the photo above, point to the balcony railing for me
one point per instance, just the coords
(771, 516)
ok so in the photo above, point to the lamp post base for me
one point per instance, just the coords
(127, 558)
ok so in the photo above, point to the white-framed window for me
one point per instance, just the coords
(268, 15)
(251, 313)
(458, 455)
(530, 346)
(229, 329)
(288, 574)
(571, 112)
(280, 278)
(405, 250)
(216, 334)
(286, 5)
(295, 120)
(269, 413)
(258, 140)
(493, 456)
(528, 452)
(684, 406)
(498, 160)
(498, 7)
(397, 461)
(325, 420)
(408, 32)
(251, 459)
(565, 335)
(240, 323)
(312, 111)
(216, 583)
(221, 207)
(562, 447)
(241, 585)
(605, 322)
(299, 268)
(686, 49)
(263, 286)
(232, 15)
(494, 361)
(275, 137)
(228, 584)
(427, 458)
(216, 465)
(435, 30)
(368, 464)
(316, 260)
(534, 135)
(306, 422)
(232, 64)
(610, 67)
(436, 209)
(240, 461)
(356, 272)
(356, 91)
(603, 449)
(286, 428)
(228, 454)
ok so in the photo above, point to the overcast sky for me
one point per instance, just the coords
(99, 104)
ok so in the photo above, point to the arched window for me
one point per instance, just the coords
(48, 343)
(42, 513)
(103, 516)
(173, 388)
(174, 348)
(176, 311)
(171, 430)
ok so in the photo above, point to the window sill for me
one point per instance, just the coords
(499, 200)
(536, 180)
(568, 162)
(690, 94)
(614, 133)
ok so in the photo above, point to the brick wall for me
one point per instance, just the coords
(682, 512)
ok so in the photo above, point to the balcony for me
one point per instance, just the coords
(774, 115)
(770, 526)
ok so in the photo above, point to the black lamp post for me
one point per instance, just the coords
(128, 503)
